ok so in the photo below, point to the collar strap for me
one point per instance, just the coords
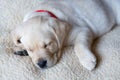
(50, 13)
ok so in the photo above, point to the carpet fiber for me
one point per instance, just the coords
(12, 67)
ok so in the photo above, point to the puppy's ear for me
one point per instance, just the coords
(16, 37)
(60, 30)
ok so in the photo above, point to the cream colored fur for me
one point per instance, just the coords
(40, 29)
(22, 68)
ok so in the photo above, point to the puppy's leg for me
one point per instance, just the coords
(82, 49)
(20, 51)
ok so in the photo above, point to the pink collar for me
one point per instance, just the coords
(50, 13)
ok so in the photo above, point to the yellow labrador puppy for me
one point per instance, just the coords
(58, 23)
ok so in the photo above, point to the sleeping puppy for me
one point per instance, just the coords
(54, 24)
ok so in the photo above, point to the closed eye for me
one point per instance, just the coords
(45, 46)
(48, 44)
(18, 41)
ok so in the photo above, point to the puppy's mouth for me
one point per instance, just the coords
(43, 63)
(48, 63)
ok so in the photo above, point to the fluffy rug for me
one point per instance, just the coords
(12, 67)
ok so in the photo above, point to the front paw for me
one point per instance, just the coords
(89, 62)
(21, 53)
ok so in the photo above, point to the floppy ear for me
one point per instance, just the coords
(16, 37)
(60, 30)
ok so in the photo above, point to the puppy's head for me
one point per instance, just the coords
(43, 39)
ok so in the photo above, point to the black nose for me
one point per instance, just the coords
(42, 63)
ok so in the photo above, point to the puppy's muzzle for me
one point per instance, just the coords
(42, 63)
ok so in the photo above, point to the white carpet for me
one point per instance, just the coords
(12, 67)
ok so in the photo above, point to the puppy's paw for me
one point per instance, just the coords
(21, 53)
(89, 62)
